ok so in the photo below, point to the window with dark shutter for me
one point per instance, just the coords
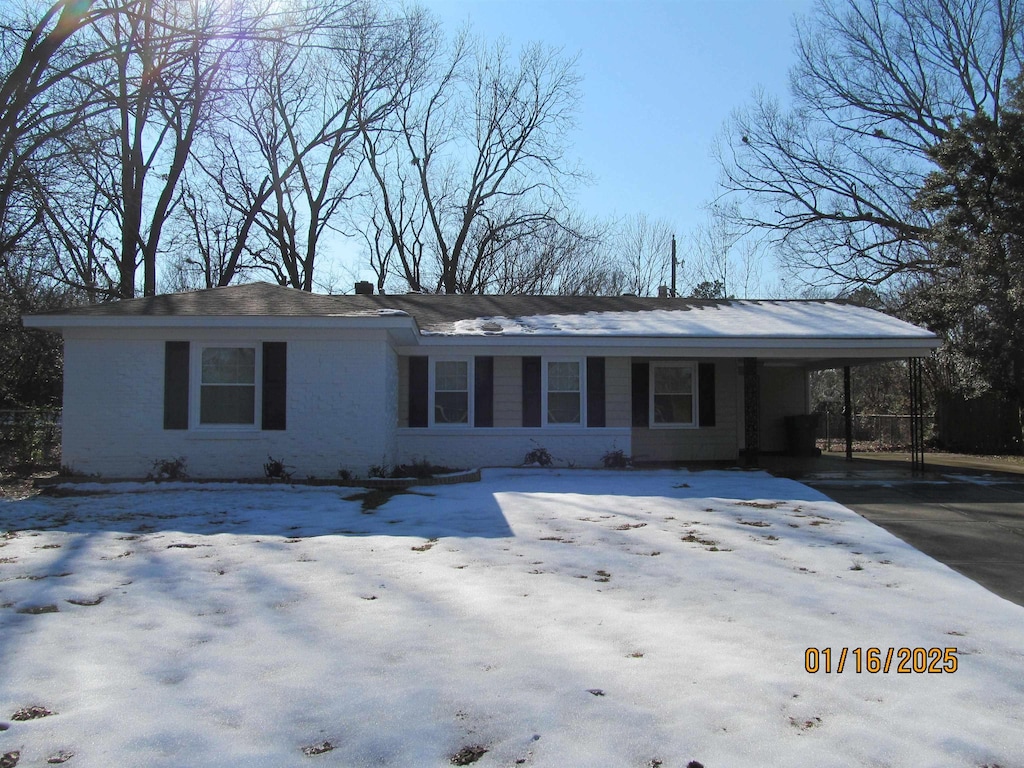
(419, 391)
(451, 392)
(673, 393)
(641, 394)
(275, 385)
(706, 394)
(531, 391)
(176, 378)
(227, 385)
(483, 392)
(595, 392)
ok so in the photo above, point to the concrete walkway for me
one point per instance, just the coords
(966, 512)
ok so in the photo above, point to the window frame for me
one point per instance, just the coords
(196, 393)
(694, 422)
(581, 367)
(470, 391)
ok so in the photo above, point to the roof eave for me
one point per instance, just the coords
(59, 322)
(406, 333)
(916, 344)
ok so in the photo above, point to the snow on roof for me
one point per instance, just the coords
(507, 316)
(756, 319)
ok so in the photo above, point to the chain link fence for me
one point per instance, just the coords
(871, 432)
(30, 437)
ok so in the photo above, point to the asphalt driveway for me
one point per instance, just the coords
(971, 519)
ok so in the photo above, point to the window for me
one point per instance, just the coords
(451, 392)
(235, 386)
(672, 394)
(227, 386)
(563, 393)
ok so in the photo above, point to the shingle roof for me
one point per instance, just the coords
(233, 300)
(258, 299)
(474, 315)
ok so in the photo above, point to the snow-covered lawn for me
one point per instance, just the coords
(577, 618)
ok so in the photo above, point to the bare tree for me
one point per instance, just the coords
(561, 257)
(473, 162)
(82, 250)
(876, 84)
(168, 69)
(717, 259)
(47, 90)
(107, 114)
(641, 255)
(285, 157)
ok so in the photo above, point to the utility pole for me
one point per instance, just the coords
(673, 292)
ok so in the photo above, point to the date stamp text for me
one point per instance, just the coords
(902, 661)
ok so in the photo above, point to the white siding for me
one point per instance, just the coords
(342, 407)
(717, 443)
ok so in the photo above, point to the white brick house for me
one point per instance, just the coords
(229, 376)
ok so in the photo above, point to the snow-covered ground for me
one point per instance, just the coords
(575, 618)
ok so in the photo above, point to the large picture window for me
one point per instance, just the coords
(451, 392)
(563, 392)
(673, 394)
(227, 386)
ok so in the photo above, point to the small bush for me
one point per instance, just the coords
(275, 469)
(420, 469)
(616, 459)
(380, 470)
(540, 456)
(344, 474)
(169, 469)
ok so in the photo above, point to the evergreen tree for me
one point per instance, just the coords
(975, 297)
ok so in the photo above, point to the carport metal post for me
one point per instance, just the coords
(848, 411)
(916, 415)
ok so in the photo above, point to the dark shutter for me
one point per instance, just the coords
(706, 394)
(641, 394)
(531, 391)
(176, 384)
(483, 392)
(418, 391)
(275, 385)
(595, 392)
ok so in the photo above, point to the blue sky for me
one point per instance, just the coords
(660, 79)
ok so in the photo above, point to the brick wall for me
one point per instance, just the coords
(342, 407)
(495, 447)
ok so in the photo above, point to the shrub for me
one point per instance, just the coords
(275, 469)
(169, 469)
(615, 459)
(420, 469)
(540, 456)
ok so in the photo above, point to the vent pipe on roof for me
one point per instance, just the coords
(662, 291)
(364, 288)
